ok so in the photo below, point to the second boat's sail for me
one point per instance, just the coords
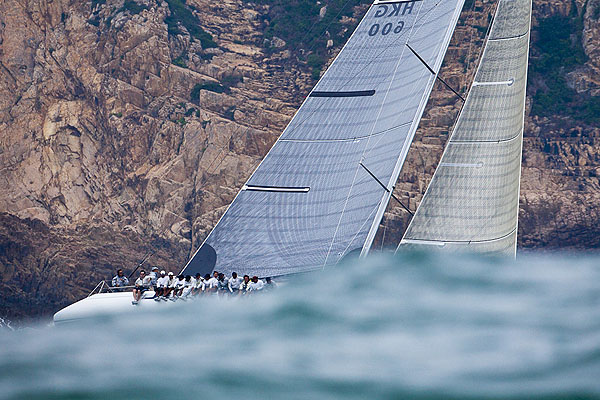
(313, 199)
(472, 202)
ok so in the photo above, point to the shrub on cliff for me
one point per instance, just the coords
(182, 15)
(558, 44)
(300, 24)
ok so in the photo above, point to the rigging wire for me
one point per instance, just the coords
(385, 225)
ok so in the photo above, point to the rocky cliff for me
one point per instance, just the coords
(130, 125)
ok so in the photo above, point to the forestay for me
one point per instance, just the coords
(311, 202)
(472, 202)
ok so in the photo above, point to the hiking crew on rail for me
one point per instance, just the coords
(168, 287)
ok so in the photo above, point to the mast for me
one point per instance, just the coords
(316, 196)
(472, 202)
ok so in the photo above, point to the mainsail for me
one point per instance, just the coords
(472, 202)
(314, 199)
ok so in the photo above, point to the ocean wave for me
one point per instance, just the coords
(412, 326)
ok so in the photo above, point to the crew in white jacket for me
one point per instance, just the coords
(255, 285)
(188, 286)
(162, 286)
(234, 283)
(212, 283)
(199, 283)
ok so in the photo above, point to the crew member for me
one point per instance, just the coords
(198, 286)
(188, 286)
(154, 279)
(120, 280)
(222, 284)
(255, 285)
(234, 283)
(244, 284)
(162, 284)
(170, 286)
(141, 285)
(211, 284)
(178, 287)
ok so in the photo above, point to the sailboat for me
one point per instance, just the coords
(320, 193)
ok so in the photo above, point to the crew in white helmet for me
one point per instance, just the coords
(162, 285)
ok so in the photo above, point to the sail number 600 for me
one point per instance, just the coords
(387, 28)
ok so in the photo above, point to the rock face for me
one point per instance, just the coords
(130, 125)
(115, 118)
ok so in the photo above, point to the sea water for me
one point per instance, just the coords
(407, 327)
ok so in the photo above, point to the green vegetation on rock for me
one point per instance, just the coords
(299, 24)
(227, 82)
(181, 121)
(210, 86)
(132, 7)
(560, 49)
(182, 15)
(179, 62)
(95, 3)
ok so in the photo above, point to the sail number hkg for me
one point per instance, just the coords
(390, 10)
(387, 28)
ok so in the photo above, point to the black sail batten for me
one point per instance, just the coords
(366, 107)
(278, 189)
(353, 93)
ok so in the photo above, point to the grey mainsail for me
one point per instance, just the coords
(312, 199)
(472, 202)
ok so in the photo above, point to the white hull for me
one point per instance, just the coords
(106, 303)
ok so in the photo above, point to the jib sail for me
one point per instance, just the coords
(472, 202)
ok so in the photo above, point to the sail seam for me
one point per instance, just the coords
(347, 139)
(462, 165)
(485, 141)
(508, 38)
(443, 242)
(508, 82)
